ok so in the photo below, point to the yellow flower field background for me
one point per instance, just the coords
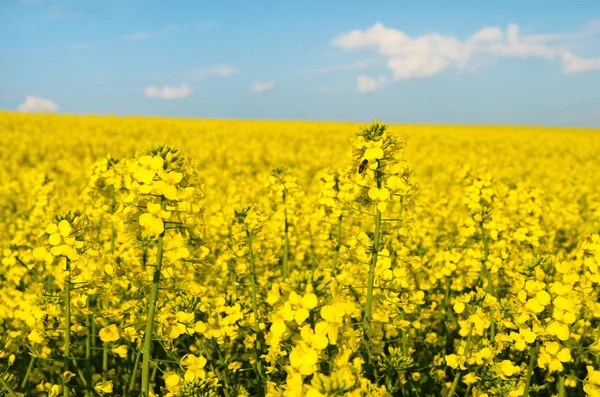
(176, 257)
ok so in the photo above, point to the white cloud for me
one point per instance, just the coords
(574, 64)
(370, 84)
(211, 71)
(260, 87)
(427, 55)
(35, 104)
(358, 65)
(168, 92)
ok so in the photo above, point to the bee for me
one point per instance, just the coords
(363, 166)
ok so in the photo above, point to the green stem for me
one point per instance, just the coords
(88, 353)
(112, 239)
(466, 352)
(371, 282)
(28, 373)
(561, 386)
(532, 355)
(104, 358)
(7, 387)
(150, 321)
(67, 337)
(154, 372)
(286, 246)
(112, 210)
(338, 245)
(93, 334)
(134, 370)
(490, 289)
(255, 309)
(215, 369)
(401, 211)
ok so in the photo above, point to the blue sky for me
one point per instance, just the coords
(466, 62)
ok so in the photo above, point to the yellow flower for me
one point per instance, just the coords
(64, 227)
(120, 351)
(309, 301)
(278, 328)
(172, 380)
(55, 239)
(67, 376)
(104, 387)
(459, 306)
(543, 298)
(55, 390)
(194, 366)
(559, 330)
(109, 334)
(471, 378)
(552, 356)
(304, 359)
(151, 225)
(507, 368)
(373, 154)
(455, 361)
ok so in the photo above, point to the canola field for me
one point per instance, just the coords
(174, 257)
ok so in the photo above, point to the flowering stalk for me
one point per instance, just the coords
(490, 290)
(163, 189)
(285, 190)
(561, 386)
(258, 347)
(338, 245)
(532, 355)
(286, 244)
(104, 358)
(371, 282)
(457, 376)
(28, 373)
(147, 349)
(88, 353)
(134, 371)
(67, 337)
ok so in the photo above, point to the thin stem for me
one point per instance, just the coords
(67, 337)
(29, 369)
(457, 376)
(215, 369)
(371, 282)
(255, 309)
(134, 371)
(150, 321)
(286, 245)
(112, 239)
(88, 353)
(561, 386)
(104, 358)
(490, 289)
(154, 372)
(113, 206)
(338, 245)
(532, 355)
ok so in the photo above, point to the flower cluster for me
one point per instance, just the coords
(326, 277)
